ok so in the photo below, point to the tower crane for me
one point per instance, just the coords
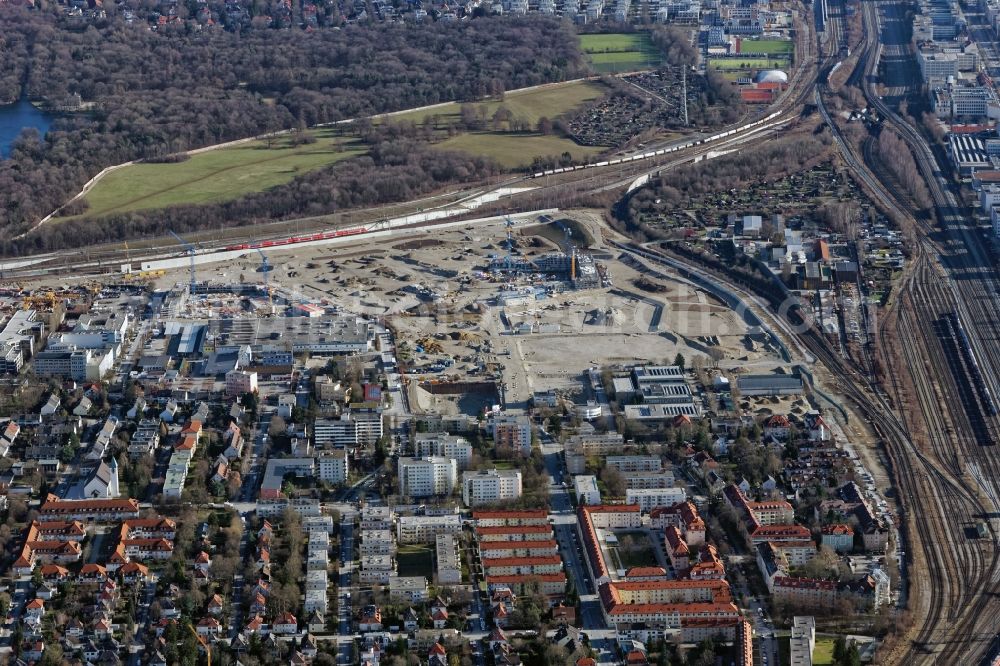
(191, 250)
(265, 268)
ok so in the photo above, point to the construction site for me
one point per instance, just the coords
(495, 304)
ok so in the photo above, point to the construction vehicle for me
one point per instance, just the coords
(39, 301)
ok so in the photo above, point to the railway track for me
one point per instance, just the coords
(552, 189)
(957, 613)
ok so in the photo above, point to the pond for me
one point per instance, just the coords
(17, 116)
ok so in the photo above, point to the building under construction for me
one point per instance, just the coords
(576, 268)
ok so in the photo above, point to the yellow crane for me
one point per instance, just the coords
(204, 644)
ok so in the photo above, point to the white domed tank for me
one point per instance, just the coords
(771, 76)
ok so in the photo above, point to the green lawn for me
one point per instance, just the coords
(225, 174)
(748, 63)
(550, 102)
(415, 560)
(516, 150)
(614, 42)
(620, 52)
(216, 175)
(771, 46)
(823, 654)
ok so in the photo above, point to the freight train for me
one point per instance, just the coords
(662, 151)
(985, 397)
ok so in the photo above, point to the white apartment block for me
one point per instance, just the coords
(629, 464)
(412, 589)
(239, 382)
(585, 488)
(340, 432)
(803, 640)
(427, 477)
(374, 542)
(376, 518)
(490, 486)
(376, 568)
(333, 467)
(446, 446)
(644, 480)
(425, 529)
(449, 568)
(651, 498)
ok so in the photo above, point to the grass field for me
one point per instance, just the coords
(550, 102)
(769, 46)
(415, 560)
(516, 150)
(823, 654)
(620, 52)
(216, 175)
(738, 63)
(226, 174)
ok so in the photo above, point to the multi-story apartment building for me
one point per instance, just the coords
(490, 486)
(629, 464)
(512, 431)
(332, 466)
(651, 498)
(425, 529)
(427, 477)
(446, 446)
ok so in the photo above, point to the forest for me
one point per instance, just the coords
(144, 95)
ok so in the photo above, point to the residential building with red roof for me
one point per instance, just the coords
(805, 592)
(646, 573)
(518, 548)
(55, 545)
(550, 584)
(676, 549)
(522, 566)
(685, 517)
(89, 509)
(839, 537)
(521, 532)
(286, 623)
(604, 516)
(776, 533)
(709, 565)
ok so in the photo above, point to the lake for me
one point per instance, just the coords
(17, 116)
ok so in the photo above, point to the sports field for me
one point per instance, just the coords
(516, 150)
(216, 175)
(620, 52)
(769, 46)
(749, 63)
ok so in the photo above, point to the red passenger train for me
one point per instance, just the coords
(298, 239)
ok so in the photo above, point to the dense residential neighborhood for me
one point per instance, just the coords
(267, 492)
